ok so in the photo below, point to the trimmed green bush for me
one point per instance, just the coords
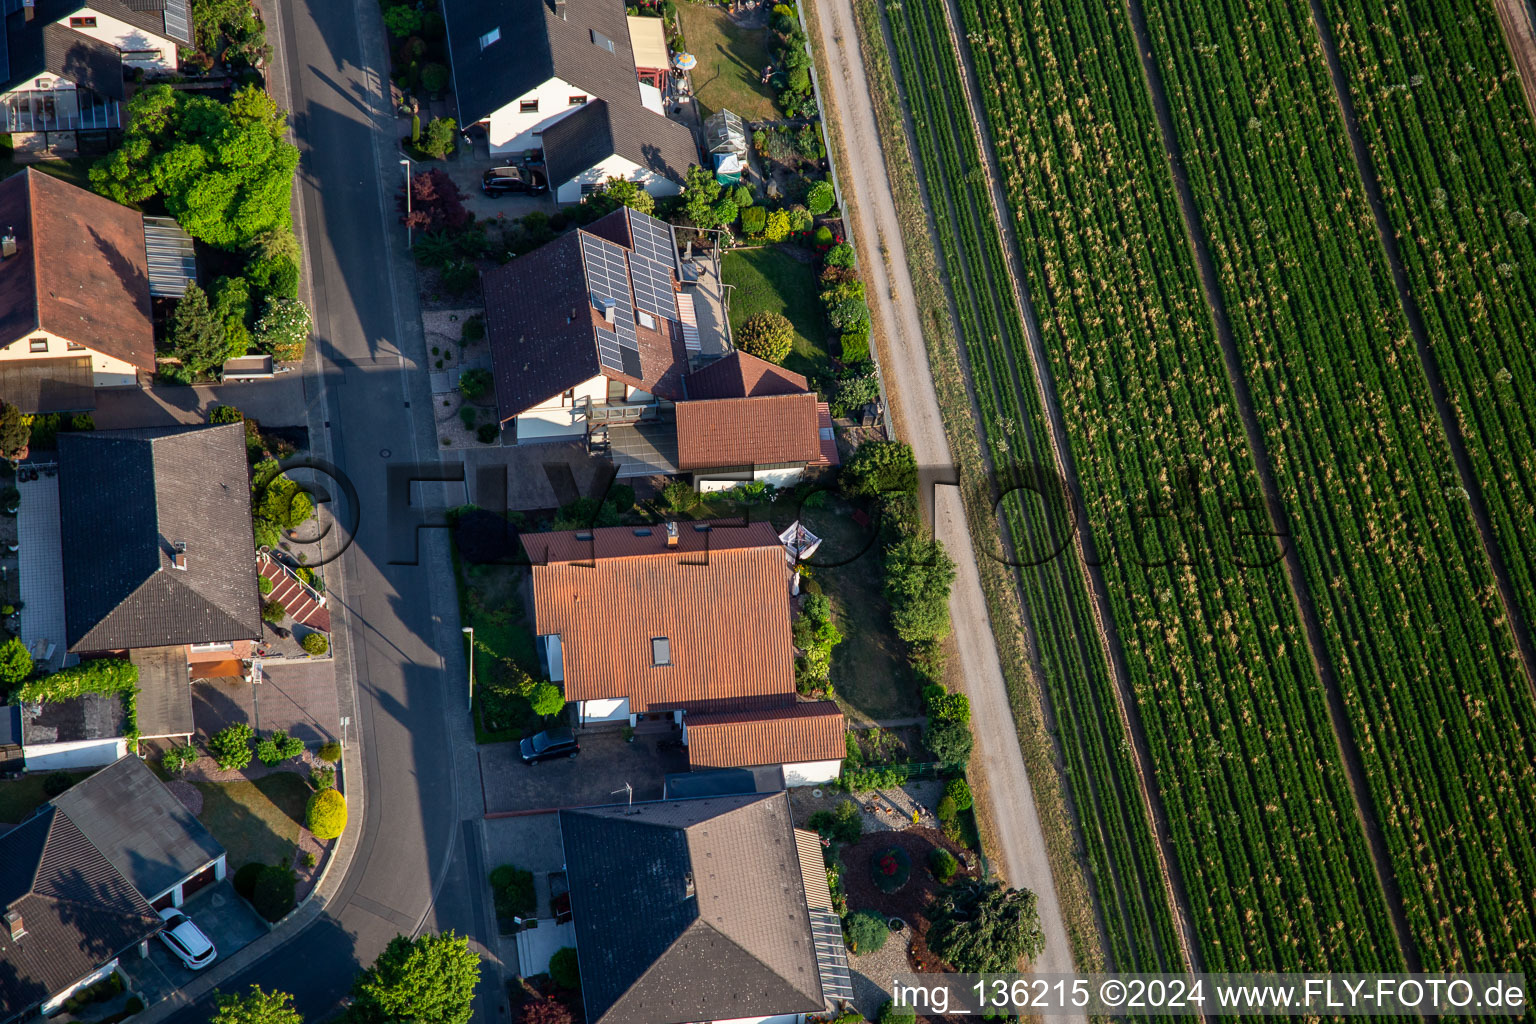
(512, 888)
(943, 864)
(315, 644)
(274, 892)
(231, 746)
(820, 198)
(245, 878)
(890, 1013)
(843, 824)
(264, 585)
(866, 931)
(273, 611)
(565, 969)
(958, 790)
(946, 809)
(326, 815)
(475, 384)
(330, 752)
(179, 759)
(322, 778)
(767, 335)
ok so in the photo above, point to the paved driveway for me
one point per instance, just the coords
(596, 776)
(298, 697)
(279, 402)
(223, 916)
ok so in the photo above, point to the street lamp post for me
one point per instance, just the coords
(470, 631)
(409, 240)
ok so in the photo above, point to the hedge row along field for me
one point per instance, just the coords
(1121, 858)
(1276, 869)
(1410, 612)
(1445, 119)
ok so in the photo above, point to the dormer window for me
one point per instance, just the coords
(600, 40)
(490, 37)
(528, 106)
(39, 344)
(645, 319)
(661, 652)
(85, 22)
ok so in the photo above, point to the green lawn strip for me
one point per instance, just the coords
(771, 279)
(20, 797)
(731, 61)
(255, 821)
(490, 600)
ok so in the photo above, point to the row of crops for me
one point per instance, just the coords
(1445, 120)
(1413, 626)
(1121, 859)
(1276, 870)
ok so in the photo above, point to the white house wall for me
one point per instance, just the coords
(52, 757)
(616, 166)
(811, 773)
(557, 418)
(779, 477)
(60, 996)
(107, 371)
(608, 710)
(512, 131)
(783, 1018)
(128, 38)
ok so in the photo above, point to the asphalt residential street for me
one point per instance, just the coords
(417, 865)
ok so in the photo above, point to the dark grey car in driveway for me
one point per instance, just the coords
(547, 745)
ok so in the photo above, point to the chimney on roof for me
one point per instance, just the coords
(179, 559)
(671, 535)
(27, 7)
(560, 9)
(8, 243)
(17, 927)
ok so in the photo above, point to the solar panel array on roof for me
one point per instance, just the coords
(653, 239)
(608, 282)
(653, 286)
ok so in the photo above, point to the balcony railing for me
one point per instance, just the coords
(602, 412)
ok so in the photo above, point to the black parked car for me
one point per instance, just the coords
(550, 743)
(500, 181)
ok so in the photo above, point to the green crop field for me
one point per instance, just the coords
(1442, 112)
(1423, 651)
(1432, 702)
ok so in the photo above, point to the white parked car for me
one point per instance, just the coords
(186, 940)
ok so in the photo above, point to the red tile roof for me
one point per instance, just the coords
(80, 270)
(740, 375)
(808, 731)
(768, 430)
(720, 598)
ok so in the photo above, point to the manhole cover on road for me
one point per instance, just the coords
(384, 453)
(216, 900)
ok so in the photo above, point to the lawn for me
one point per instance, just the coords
(731, 60)
(870, 677)
(72, 170)
(770, 278)
(20, 797)
(255, 821)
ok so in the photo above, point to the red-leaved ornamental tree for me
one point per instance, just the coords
(436, 203)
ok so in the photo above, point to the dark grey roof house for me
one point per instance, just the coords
(596, 302)
(156, 530)
(523, 67)
(140, 827)
(65, 913)
(696, 910)
(89, 43)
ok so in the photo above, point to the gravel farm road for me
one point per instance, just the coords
(914, 408)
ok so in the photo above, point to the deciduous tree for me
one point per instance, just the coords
(255, 1007)
(430, 980)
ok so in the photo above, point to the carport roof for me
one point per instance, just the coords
(139, 826)
(164, 702)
